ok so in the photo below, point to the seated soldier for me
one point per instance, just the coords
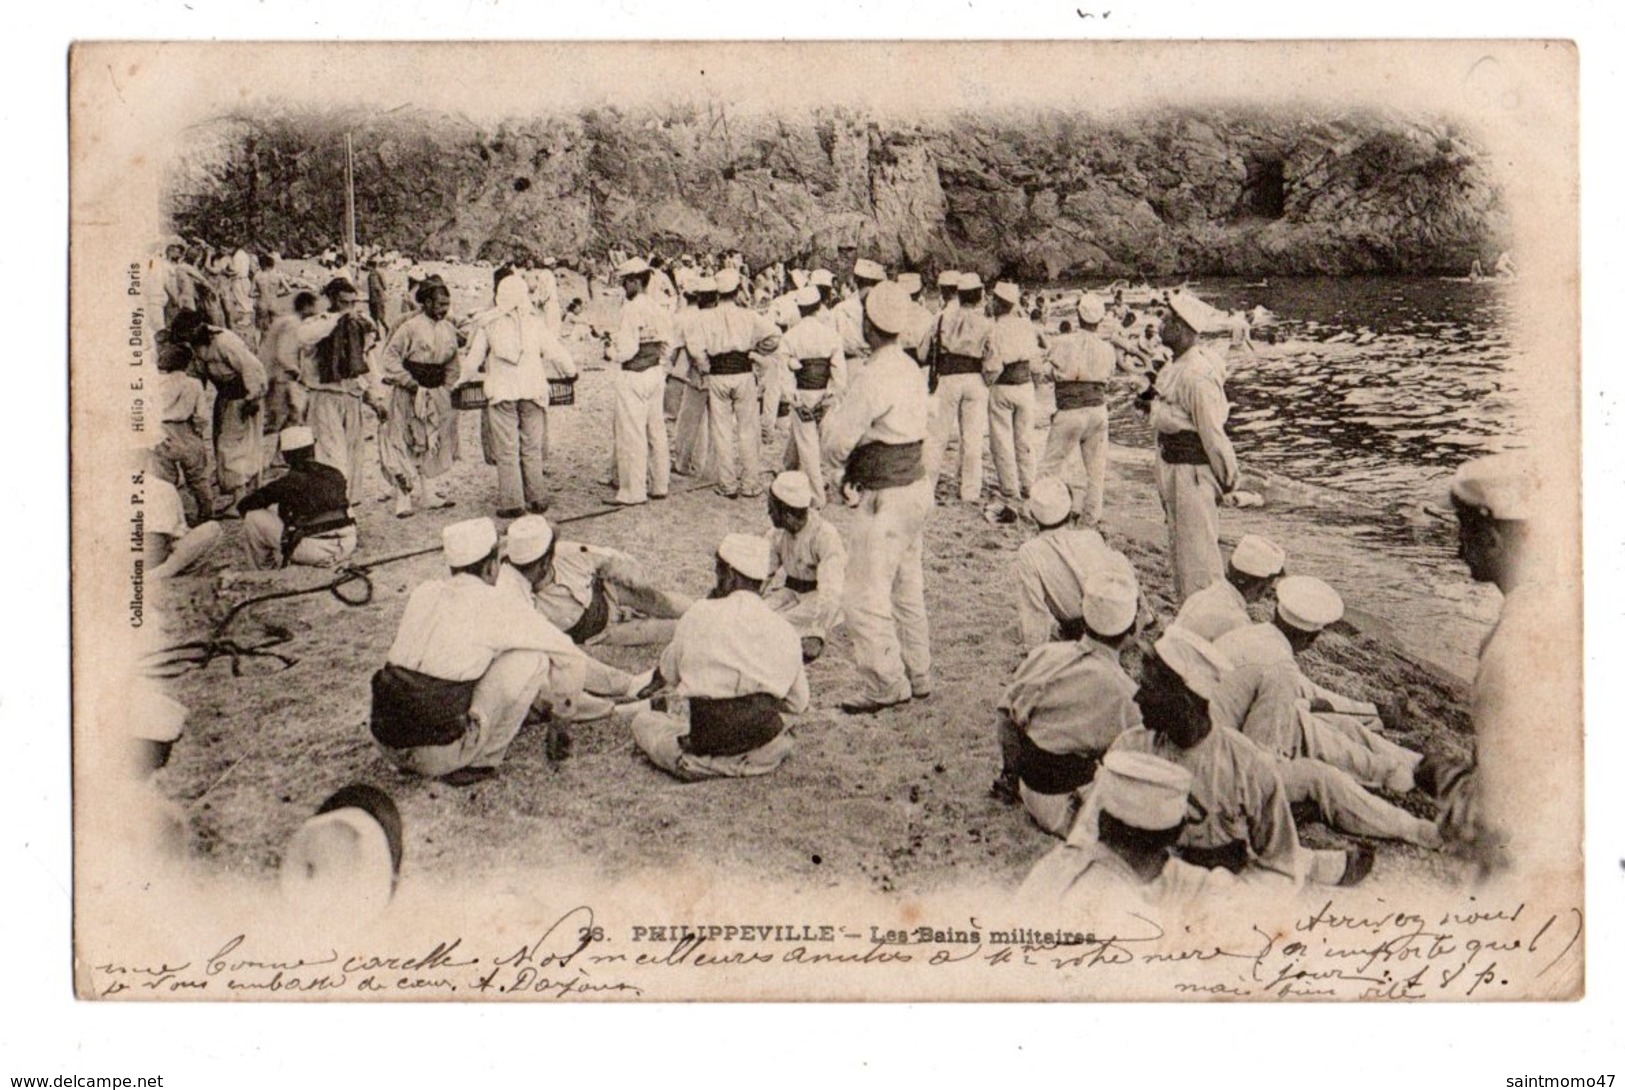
(1221, 606)
(732, 669)
(1052, 567)
(1142, 803)
(1066, 705)
(807, 563)
(171, 547)
(302, 517)
(1319, 723)
(597, 595)
(1246, 821)
(528, 564)
(468, 665)
(341, 866)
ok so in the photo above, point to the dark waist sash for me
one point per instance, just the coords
(800, 586)
(952, 363)
(1014, 374)
(411, 709)
(1232, 856)
(731, 363)
(431, 376)
(1079, 395)
(648, 355)
(1182, 448)
(731, 726)
(1054, 773)
(814, 374)
(1073, 628)
(595, 618)
(325, 523)
(873, 466)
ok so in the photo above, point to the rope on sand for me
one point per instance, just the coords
(177, 658)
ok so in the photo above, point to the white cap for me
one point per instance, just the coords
(529, 538)
(468, 542)
(1502, 485)
(889, 307)
(1091, 309)
(798, 277)
(1049, 501)
(865, 269)
(1195, 313)
(1143, 790)
(1111, 601)
(746, 554)
(808, 296)
(1008, 291)
(793, 488)
(631, 267)
(727, 281)
(344, 860)
(948, 278)
(822, 278)
(1258, 556)
(910, 282)
(1306, 603)
(704, 285)
(970, 282)
(296, 438)
(157, 718)
(1198, 663)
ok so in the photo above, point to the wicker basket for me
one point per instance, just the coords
(561, 391)
(470, 395)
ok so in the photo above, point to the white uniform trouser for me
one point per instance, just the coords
(1052, 813)
(1082, 431)
(1345, 805)
(804, 451)
(1347, 742)
(1190, 500)
(805, 612)
(1010, 414)
(959, 407)
(518, 432)
(335, 419)
(736, 432)
(642, 458)
(693, 432)
(885, 593)
(511, 685)
(777, 384)
(262, 540)
(656, 733)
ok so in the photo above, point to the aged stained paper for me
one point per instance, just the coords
(869, 866)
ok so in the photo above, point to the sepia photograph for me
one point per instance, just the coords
(835, 521)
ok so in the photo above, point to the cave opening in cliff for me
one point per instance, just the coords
(1265, 193)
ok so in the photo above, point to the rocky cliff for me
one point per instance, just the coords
(1037, 195)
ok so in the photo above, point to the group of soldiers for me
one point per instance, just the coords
(1182, 777)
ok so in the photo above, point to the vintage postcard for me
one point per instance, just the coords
(826, 521)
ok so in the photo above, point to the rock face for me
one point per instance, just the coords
(1040, 196)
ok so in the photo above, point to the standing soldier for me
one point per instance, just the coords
(239, 382)
(644, 346)
(963, 333)
(418, 439)
(1196, 464)
(727, 340)
(848, 314)
(875, 438)
(333, 374)
(692, 454)
(1012, 350)
(818, 365)
(1081, 364)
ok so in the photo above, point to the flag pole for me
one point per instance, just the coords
(349, 203)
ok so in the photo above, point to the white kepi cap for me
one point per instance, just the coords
(529, 538)
(948, 278)
(822, 278)
(1258, 556)
(865, 269)
(343, 861)
(970, 282)
(468, 542)
(910, 282)
(1091, 309)
(1503, 486)
(1195, 313)
(746, 554)
(1143, 790)
(1306, 603)
(1049, 502)
(632, 267)
(808, 296)
(1008, 291)
(793, 489)
(727, 281)
(296, 438)
(1198, 663)
(889, 307)
(1111, 601)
